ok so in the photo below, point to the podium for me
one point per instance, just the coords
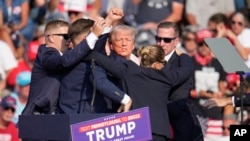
(130, 126)
(51, 127)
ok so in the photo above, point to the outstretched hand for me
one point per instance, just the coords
(217, 102)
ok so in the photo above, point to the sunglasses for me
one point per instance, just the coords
(166, 40)
(9, 108)
(189, 39)
(200, 44)
(73, 13)
(239, 23)
(225, 128)
(65, 36)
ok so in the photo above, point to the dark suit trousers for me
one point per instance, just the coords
(185, 124)
(159, 138)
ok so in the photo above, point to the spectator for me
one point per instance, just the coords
(220, 25)
(158, 11)
(8, 130)
(210, 82)
(7, 64)
(37, 10)
(33, 46)
(22, 65)
(76, 9)
(4, 36)
(198, 12)
(189, 44)
(54, 12)
(150, 13)
(21, 92)
(98, 8)
(17, 18)
(240, 27)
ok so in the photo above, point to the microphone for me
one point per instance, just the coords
(94, 85)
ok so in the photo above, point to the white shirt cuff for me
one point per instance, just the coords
(107, 30)
(233, 101)
(91, 40)
(125, 99)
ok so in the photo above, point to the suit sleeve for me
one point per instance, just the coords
(117, 69)
(179, 75)
(246, 100)
(55, 62)
(106, 87)
(100, 44)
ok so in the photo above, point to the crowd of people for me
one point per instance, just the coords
(58, 57)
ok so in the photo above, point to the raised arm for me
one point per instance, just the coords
(55, 62)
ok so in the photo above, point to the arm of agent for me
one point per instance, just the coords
(110, 90)
(234, 100)
(54, 62)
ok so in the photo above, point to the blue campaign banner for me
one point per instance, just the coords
(129, 126)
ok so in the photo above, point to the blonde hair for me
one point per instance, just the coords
(151, 54)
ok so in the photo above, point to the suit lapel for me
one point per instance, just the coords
(171, 60)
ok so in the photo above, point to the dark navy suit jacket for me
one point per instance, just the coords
(76, 90)
(46, 75)
(106, 84)
(245, 100)
(183, 90)
(148, 87)
(180, 107)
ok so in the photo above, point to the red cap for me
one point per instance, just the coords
(202, 34)
(232, 78)
(22, 66)
(32, 50)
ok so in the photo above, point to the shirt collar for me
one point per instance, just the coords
(167, 57)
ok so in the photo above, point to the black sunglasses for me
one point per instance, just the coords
(224, 128)
(166, 40)
(214, 31)
(65, 36)
(189, 39)
(200, 44)
(239, 23)
(73, 13)
(9, 108)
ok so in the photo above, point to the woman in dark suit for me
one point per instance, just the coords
(149, 85)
